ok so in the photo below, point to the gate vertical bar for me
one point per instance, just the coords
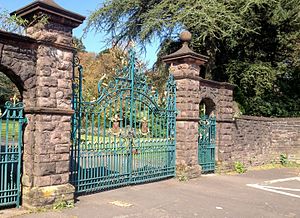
(20, 143)
(76, 121)
(206, 144)
(135, 147)
(132, 74)
(171, 123)
(80, 71)
(11, 131)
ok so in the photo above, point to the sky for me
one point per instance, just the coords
(94, 42)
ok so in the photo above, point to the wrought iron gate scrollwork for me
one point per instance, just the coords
(207, 143)
(11, 143)
(125, 136)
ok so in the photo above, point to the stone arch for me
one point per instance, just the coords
(14, 78)
(18, 59)
(207, 107)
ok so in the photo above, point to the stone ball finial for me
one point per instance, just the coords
(185, 36)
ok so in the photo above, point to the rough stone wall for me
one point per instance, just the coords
(54, 76)
(42, 70)
(52, 132)
(222, 96)
(52, 32)
(46, 160)
(18, 57)
(40, 64)
(251, 140)
(259, 140)
(191, 90)
(188, 99)
(42, 73)
(49, 127)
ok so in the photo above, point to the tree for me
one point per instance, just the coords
(11, 23)
(78, 44)
(7, 89)
(251, 43)
(16, 24)
(96, 66)
(265, 64)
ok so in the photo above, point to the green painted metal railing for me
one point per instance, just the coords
(11, 133)
(126, 136)
(207, 143)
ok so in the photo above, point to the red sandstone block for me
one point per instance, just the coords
(59, 179)
(41, 181)
(44, 169)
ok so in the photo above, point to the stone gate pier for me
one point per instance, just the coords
(41, 66)
(192, 90)
(252, 141)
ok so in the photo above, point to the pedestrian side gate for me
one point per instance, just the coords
(11, 133)
(207, 143)
(126, 135)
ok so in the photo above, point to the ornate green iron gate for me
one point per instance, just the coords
(207, 143)
(125, 136)
(11, 133)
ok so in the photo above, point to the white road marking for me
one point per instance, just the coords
(282, 188)
(282, 180)
(279, 190)
(272, 190)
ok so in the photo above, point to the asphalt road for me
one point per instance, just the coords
(267, 193)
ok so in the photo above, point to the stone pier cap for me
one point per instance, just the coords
(185, 54)
(55, 12)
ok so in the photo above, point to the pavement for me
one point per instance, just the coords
(265, 193)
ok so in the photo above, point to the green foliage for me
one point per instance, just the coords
(16, 24)
(10, 129)
(97, 66)
(7, 89)
(239, 167)
(285, 162)
(253, 44)
(292, 164)
(62, 204)
(283, 159)
(141, 20)
(265, 64)
(57, 206)
(11, 23)
(78, 44)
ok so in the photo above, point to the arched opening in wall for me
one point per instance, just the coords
(207, 135)
(207, 107)
(11, 138)
(8, 90)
